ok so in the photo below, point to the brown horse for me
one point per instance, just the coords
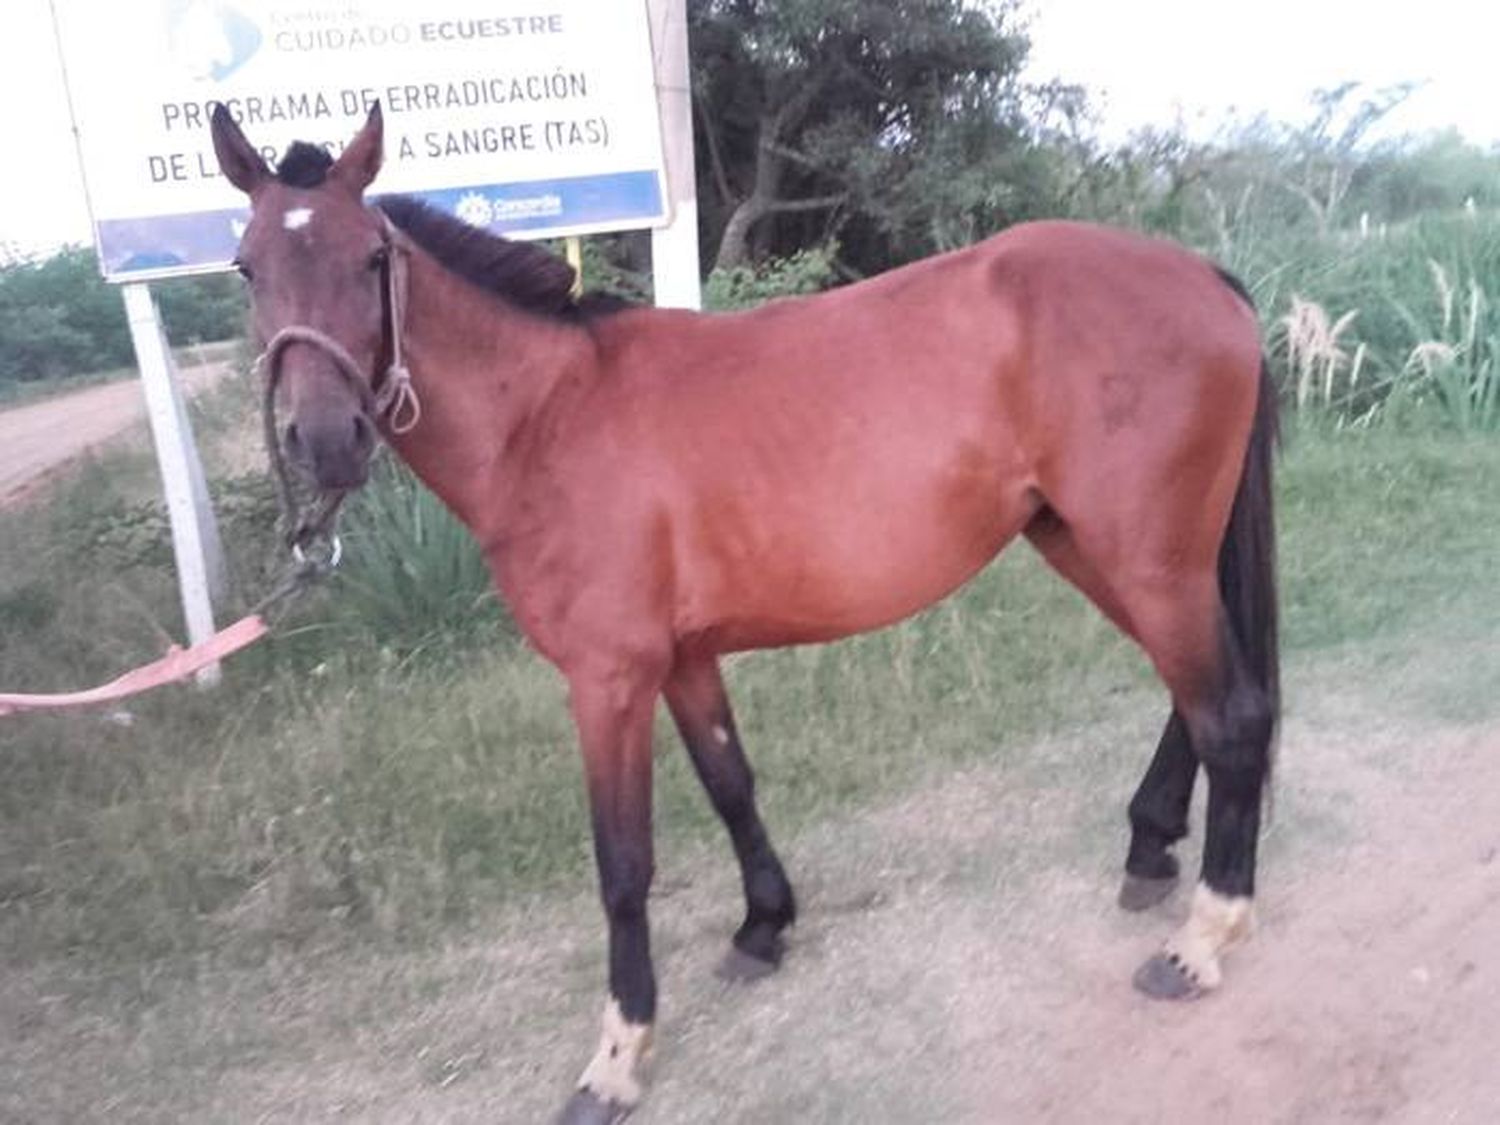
(655, 488)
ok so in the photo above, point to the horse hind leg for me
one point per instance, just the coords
(1159, 818)
(1215, 644)
(1159, 809)
(700, 707)
(1229, 717)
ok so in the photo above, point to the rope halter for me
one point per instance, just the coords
(394, 399)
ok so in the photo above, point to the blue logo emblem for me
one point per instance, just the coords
(209, 39)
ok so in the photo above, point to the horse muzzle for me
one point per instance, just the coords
(332, 449)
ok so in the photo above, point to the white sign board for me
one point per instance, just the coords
(530, 117)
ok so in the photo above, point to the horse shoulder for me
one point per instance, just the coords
(582, 561)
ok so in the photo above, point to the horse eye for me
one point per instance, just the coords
(379, 258)
(243, 269)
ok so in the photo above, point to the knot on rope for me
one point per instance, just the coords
(397, 400)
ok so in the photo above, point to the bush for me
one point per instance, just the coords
(806, 271)
(1389, 328)
(59, 317)
(412, 575)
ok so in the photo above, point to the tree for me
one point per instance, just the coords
(59, 317)
(892, 125)
(1440, 172)
(1325, 152)
(199, 309)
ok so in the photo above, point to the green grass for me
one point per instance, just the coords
(346, 785)
(1418, 345)
(1386, 533)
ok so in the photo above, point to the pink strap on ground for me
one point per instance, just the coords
(178, 664)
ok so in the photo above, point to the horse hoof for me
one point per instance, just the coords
(588, 1108)
(1164, 978)
(739, 967)
(1139, 893)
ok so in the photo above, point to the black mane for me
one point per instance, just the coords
(522, 273)
(304, 165)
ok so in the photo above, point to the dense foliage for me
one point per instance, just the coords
(888, 128)
(58, 317)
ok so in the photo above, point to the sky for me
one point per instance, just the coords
(1144, 62)
(1155, 61)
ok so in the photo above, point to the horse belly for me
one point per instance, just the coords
(838, 563)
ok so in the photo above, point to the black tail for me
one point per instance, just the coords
(1247, 557)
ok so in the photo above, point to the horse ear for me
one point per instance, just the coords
(241, 164)
(359, 162)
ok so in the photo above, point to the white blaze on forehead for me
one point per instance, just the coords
(296, 218)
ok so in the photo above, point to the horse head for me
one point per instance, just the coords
(325, 294)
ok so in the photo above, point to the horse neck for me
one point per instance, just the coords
(480, 369)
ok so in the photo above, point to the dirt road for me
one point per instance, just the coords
(36, 439)
(959, 960)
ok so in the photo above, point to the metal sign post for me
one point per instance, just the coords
(674, 247)
(195, 537)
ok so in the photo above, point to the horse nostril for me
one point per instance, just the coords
(290, 440)
(363, 437)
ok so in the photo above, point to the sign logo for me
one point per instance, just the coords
(210, 40)
(474, 209)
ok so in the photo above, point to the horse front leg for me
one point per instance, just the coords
(700, 706)
(612, 707)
